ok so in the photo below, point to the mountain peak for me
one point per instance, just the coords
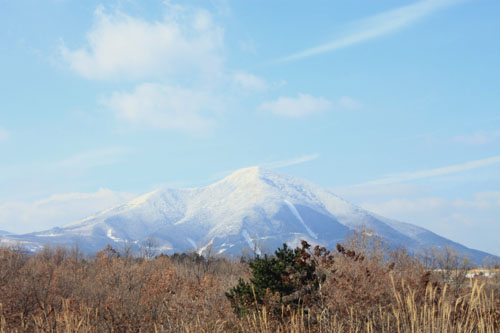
(249, 175)
(252, 171)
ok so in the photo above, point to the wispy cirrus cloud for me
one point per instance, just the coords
(271, 165)
(62, 166)
(408, 176)
(91, 159)
(305, 105)
(296, 107)
(376, 26)
(290, 162)
(478, 138)
(456, 218)
(349, 103)
(56, 210)
(357, 193)
(480, 201)
(250, 81)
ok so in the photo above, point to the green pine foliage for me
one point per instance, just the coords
(282, 279)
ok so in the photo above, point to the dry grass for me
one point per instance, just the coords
(366, 289)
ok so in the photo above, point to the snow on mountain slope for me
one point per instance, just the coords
(253, 209)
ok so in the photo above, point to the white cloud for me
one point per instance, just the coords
(250, 81)
(294, 161)
(377, 26)
(299, 106)
(166, 107)
(56, 210)
(4, 135)
(474, 222)
(176, 64)
(478, 138)
(407, 176)
(122, 46)
(248, 46)
(349, 103)
(482, 200)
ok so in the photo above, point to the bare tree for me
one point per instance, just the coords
(450, 267)
(149, 248)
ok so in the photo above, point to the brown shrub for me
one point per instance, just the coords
(363, 287)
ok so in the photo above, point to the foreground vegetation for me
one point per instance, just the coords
(358, 287)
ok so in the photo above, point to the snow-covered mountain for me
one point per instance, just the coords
(4, 233)
(253, 209)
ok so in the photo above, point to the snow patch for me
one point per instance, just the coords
(297, 215)
(203, 249)
(165, 248)
(251, 242)
(110, 236)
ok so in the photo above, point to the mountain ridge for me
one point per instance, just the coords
(252, 208)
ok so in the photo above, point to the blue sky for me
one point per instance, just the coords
(395, 105)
